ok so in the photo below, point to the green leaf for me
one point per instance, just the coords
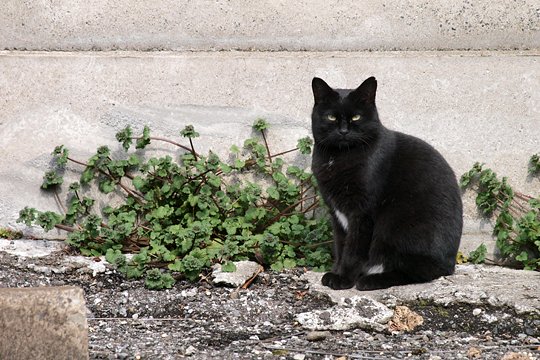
(125, 137)
(189, 132)
(144, 140)
(134, 160)
(304, 145)
(478, 256)
(48, 220)
(260, 124)
(228, 267)
(289, 263)
(61, 154)
(277, 266)
(534, 164)
(51, 179)
(156, 280)
(87, 175)
(27, 216)
(523, 256)
(273, 192)
(107, 186)
(138, 182)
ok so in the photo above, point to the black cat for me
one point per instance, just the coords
(395, 203)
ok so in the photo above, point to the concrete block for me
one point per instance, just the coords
(318, 25)
(471, 284)
(43, 323)
(472, 106)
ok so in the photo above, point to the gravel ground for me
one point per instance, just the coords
(203, 321)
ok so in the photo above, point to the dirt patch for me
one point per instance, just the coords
(203, 321)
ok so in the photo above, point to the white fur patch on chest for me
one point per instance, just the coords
(376, 269)
(342, 219)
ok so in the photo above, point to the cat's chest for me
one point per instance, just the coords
(343, 181)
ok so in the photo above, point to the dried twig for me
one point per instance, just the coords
(250, 280)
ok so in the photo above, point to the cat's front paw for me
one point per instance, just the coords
(336, 282)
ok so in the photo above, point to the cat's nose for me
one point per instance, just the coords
(343, 131)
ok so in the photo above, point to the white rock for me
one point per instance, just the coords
(189, 293)
(299, 357)
(244, 271)
(355, 312)
(190, 350)
(477, 312)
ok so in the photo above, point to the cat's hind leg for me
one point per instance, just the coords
(383, 280)
(404, 270)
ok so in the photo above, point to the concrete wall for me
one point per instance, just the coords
(318, 25)
(472, 105)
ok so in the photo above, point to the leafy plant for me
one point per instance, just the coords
(478, 256)
(6, 233)
(186, 214)
(517, 216)
(534, 164)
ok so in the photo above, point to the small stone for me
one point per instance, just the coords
(474, 353)
(189, 293)
(190, 350)
(477, 312)
(317, 335)
(517, 356)
(299, 356)
(135, 316)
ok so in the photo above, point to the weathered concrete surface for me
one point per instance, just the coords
(31, 248)
(471, 284)
(472, 106)
(319, 25)
(43, 323)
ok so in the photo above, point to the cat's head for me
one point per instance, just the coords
(344, 118)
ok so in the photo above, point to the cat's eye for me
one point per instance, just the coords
(356, 118)
(331, 117)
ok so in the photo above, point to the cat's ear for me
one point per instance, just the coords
(366, 92)
(321, 91)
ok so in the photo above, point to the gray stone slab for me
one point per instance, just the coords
(43, 323)
(318, 25)
(471, 284)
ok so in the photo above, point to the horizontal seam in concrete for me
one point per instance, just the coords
(277, 54)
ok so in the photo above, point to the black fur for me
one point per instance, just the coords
(397, 195)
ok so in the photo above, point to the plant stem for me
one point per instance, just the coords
(167, 141)
(192, 149)
(77, 162)
(57, 197)
(267, 147)
(65, 227)
(284, 152)
(284, 212)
